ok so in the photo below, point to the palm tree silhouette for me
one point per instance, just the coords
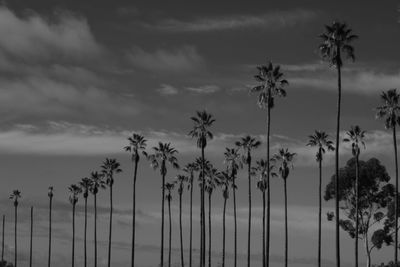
(271, 84)
(108, 169)
(336, 40)
(320, 140)
(233, 162)
(137, 145)
(31, 239)
(389, 110)
(97, 183)
(356, 136)
(2, 239)
(85, 185)
(202, 122)
(74, 191)
(284, 159)
(15, 196)
(190, 168)
(181, 180)
(163, 153)
(50, 195)
(248, 143)
(169, 187)
(225, 182)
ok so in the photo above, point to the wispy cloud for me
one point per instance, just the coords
(205, 89)
(167, 89)
(271, 21)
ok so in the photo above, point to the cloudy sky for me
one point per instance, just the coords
(78, 77)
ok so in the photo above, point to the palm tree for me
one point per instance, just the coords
(169, 187)
(232, 160)
(336, 40)
(181, 179)
(50, 194)
(320, 140)
(137, 145)
(163, 153)
(74, 191)
(248, 143)
(2, 239)
(96, 184)
(272, 84)
(108, 169)
(15, 196)
(389, 110)
(31, 239)
(190, 168)
(284, 159)
(225, 183)
(202, 122)
(85, 185)
(356, 137)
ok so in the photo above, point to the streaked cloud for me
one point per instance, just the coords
(205, 89)
(167, 89)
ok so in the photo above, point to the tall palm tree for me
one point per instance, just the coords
(50, 194)
(85, 185)
(356, 136)
(248, 143)
(97, 184)
(137, 145)
(272, 84)
(169, 187)
(233, 162)
(261, 170)
(284, 159)
(109, 168)
(336, 40)
(31, 240)
(181, 180)
(202, 122)
(320, 140)
(163, 154)
(225, 183)
(389, 110)
(74, 191)
(15, 196)
(190, 168)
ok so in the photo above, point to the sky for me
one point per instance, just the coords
(78, 77)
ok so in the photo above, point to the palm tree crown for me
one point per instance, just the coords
(284, 159)
(247, 143)
(202, 122)
(109, 167)
(261, 170)
(15, 196)
(232, 160)
(164, 152)
(137, 143)
(169, 187)
(320, 140)
(212, 180)
(74, 190)
(390, 108)
(85, 185)
(225, 181)
(97, 182)
(181, 179)
(356, 137)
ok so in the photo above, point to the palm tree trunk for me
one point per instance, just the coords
(337, 197)
(162, 222)
(134, 212)
(286, 226)
(49, 256)
(73, 235)
(357, 222)
(180, 228)
(209, 229)
(110, 226)
(2, 240)
(396, 203)
(15, 236)
(268, 189)
(263, 230)
(203, 207)
(223, 234)
(234, 215)
(95, 230)
(319, 210)
(31, 240)
(368, 252)
(249, 229)
(170, 233)
(85, 233)
(191, 221)
(201, 226)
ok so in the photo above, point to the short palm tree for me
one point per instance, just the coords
(15, 196)
(320, 140)
(169, 187)
(225, 183)
(97, 184)
(109, 168)
(50, 195)
(190, 168)
(284, 160)
(181, 180)
(163, 154)
(74, 191)
(85, 185)
(336, 43)
(356, 136)
(137, 145)
(233, 162)
(202, 122)
(389, 110)
(248, 144)
(272, 84)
